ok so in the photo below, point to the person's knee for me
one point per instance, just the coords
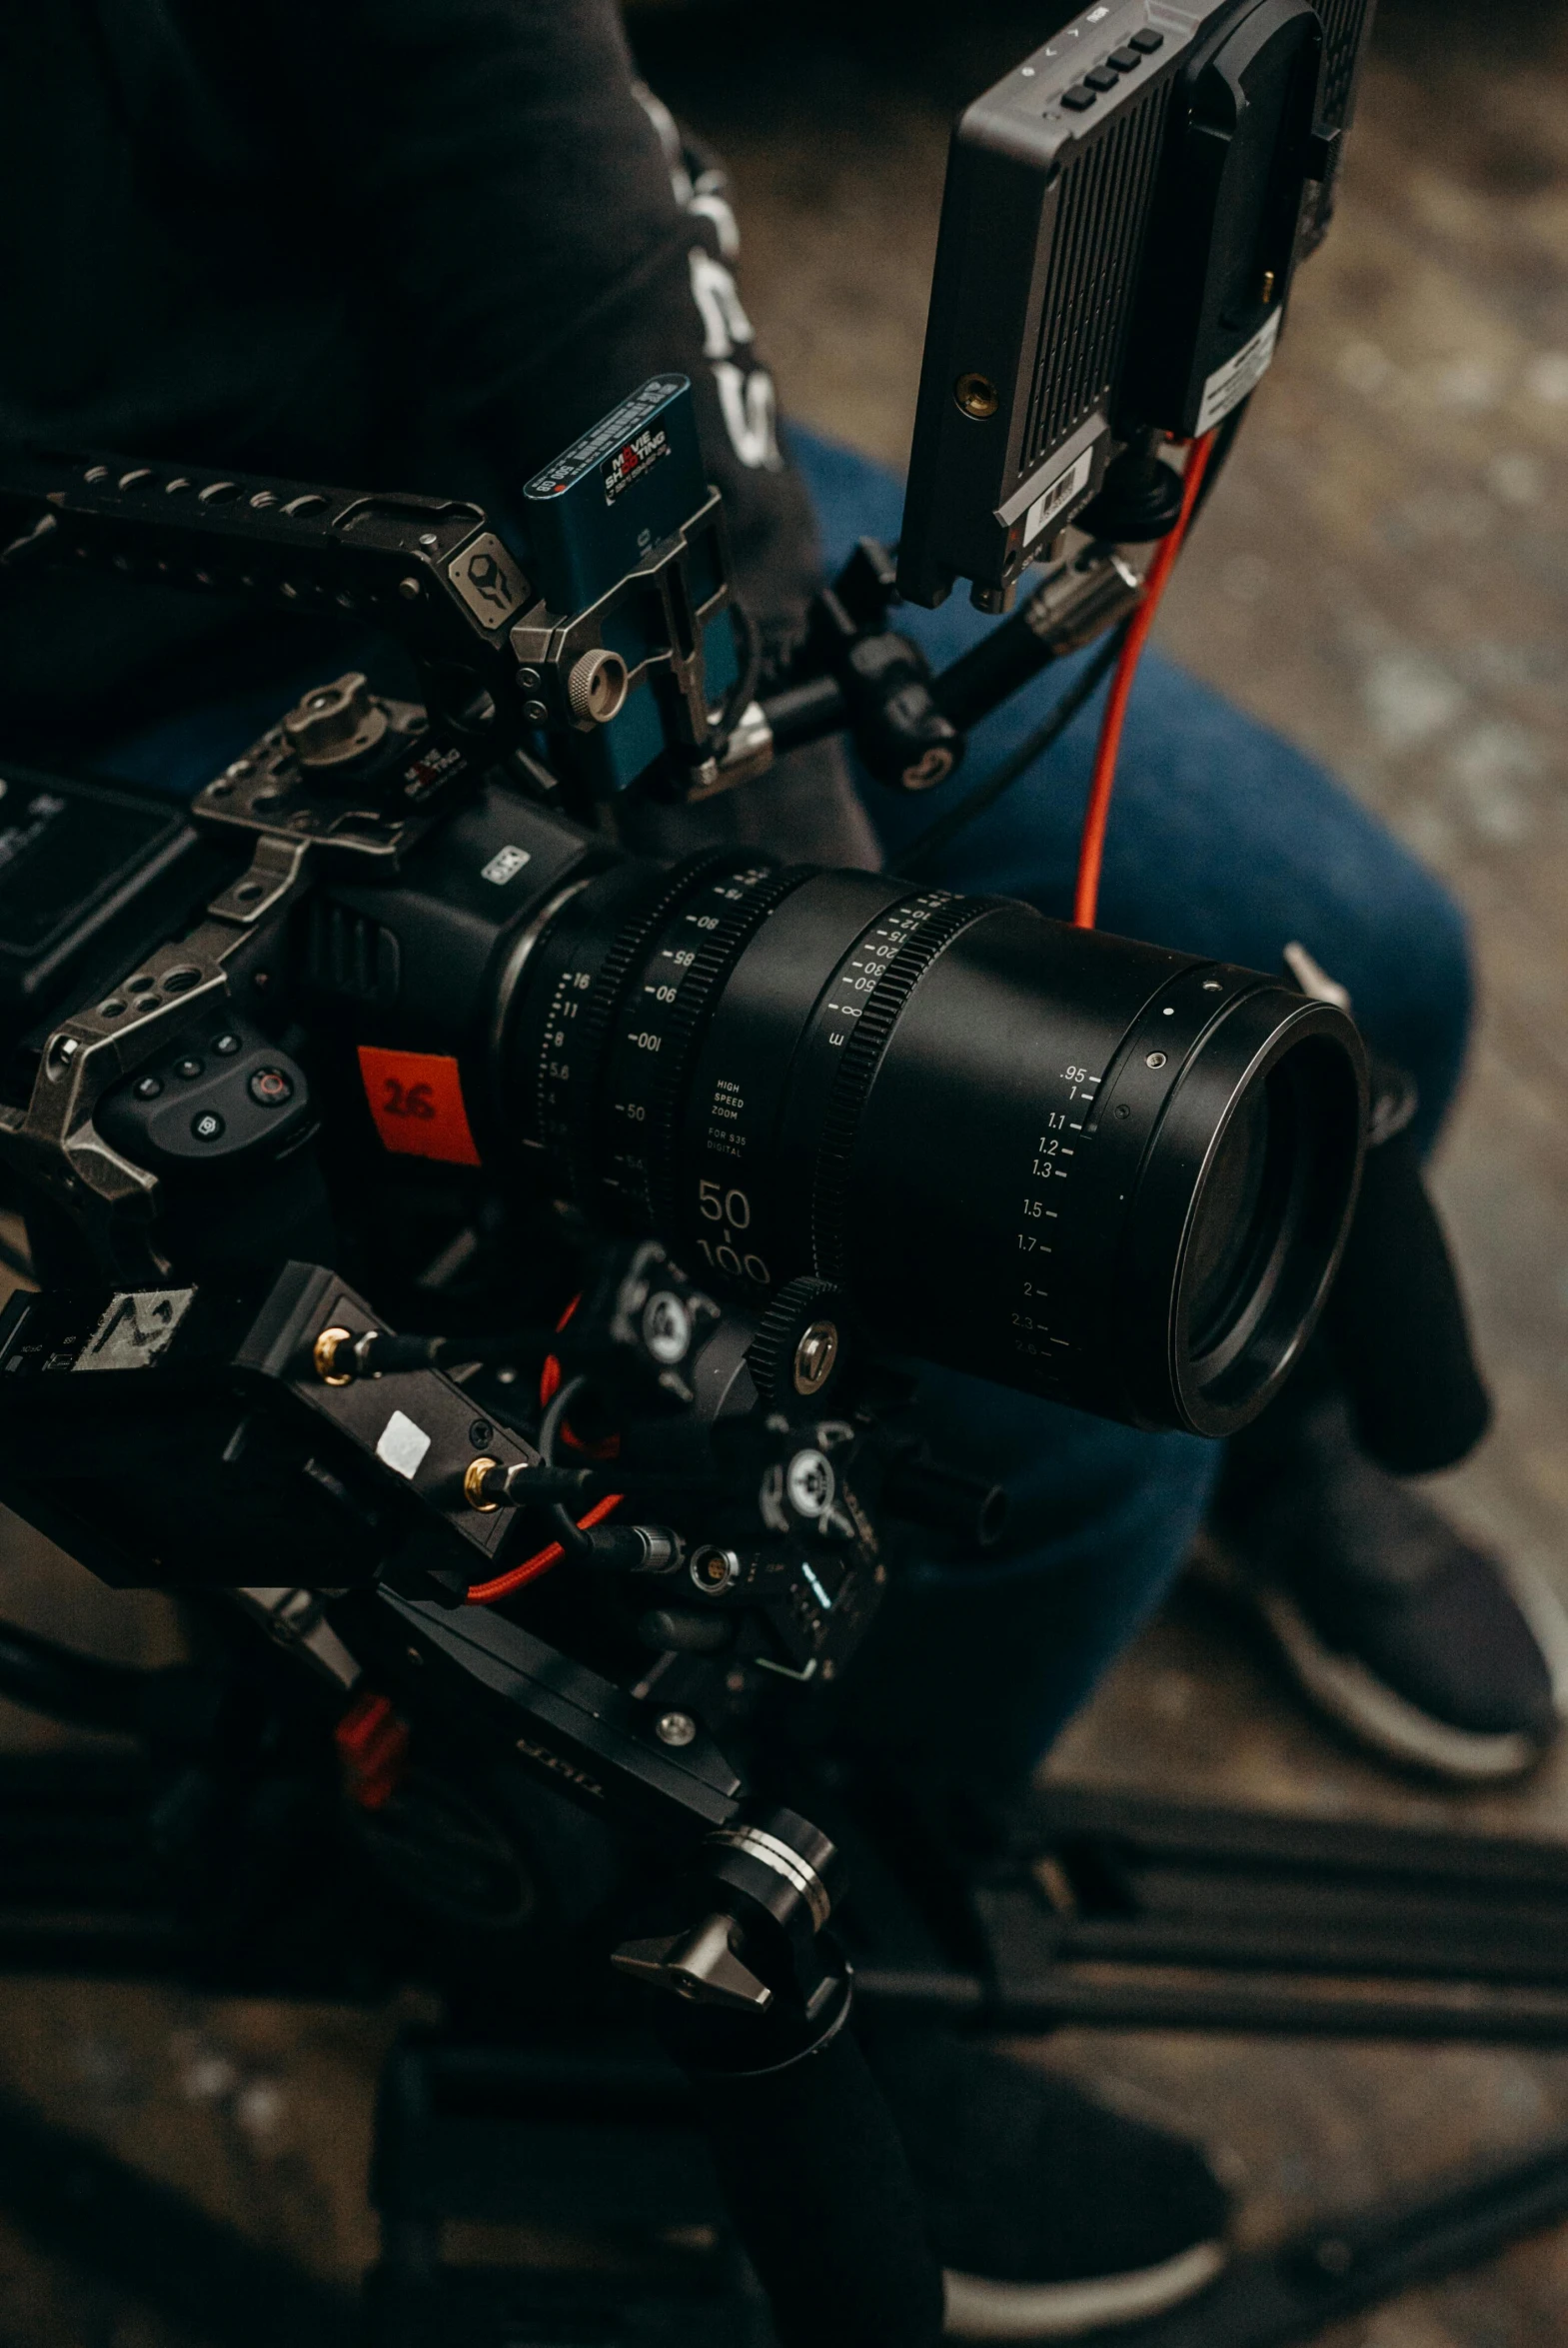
(1414, 994)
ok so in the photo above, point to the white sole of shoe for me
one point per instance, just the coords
(1543, 1609)
(979, 2309)
(1374, 1714)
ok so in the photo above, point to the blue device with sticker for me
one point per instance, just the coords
(594, 514)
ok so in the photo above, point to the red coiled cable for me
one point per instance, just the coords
(1092, 846)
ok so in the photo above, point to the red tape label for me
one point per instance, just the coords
(416, 1098)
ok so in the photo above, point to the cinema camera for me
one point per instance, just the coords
(642, 1181)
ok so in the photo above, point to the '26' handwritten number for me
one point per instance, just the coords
(407, 1100)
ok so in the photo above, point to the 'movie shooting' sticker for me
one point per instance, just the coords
(640, 455)
(416, 1098)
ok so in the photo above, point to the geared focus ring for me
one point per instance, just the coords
(862, 1056)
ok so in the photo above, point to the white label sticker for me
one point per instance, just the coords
(403, 1445)
(1053, 499)
(505, 866)
(134, 1329)
(1239, 376)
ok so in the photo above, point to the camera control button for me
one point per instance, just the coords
(1124, 60)
(1148, 40)
(1103, 78)
(1078, 98)
(227, 1046)
(147, 1088)
(271, 1088)
(188, 1069)
(207, 1126)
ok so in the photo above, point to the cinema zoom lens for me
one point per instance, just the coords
(1096, 1170)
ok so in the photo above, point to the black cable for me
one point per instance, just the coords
(68, 1685)
(390, 1354)
(574, 1541)
(985, 795)
(742, 692)
(16, 1259)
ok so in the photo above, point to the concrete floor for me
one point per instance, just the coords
(1383, 577)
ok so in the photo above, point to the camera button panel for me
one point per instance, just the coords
(238, 1094)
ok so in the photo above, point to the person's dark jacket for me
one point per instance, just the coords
(414, 244)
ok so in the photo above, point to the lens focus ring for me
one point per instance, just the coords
(937, 928)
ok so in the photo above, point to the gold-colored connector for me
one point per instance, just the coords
(474, 1484)
(324, 1352)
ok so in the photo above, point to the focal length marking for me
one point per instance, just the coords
(677, 982)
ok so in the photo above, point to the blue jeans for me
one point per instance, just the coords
(1223, 841)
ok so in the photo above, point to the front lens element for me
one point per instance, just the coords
(1237, 1207)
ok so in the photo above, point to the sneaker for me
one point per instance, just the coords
(1052, 2215)
(1428, 1650)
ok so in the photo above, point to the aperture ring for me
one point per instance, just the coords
(862, 1052)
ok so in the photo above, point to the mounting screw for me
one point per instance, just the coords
(535, 712)
(597, 686)
(1156, 1059)
(978, 396)
(527, 680)
(480, 1434)
(676, 1728)
(814, 1356)
(409, 590)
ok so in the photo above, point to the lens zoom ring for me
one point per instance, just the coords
(861, 1056)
